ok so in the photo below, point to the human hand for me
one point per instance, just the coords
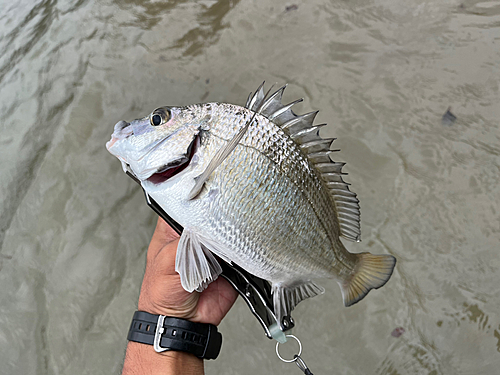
(162, 292)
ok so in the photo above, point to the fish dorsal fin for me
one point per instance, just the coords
(254, 101)
(317, 149)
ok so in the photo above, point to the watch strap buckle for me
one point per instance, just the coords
(158, 335)
(201, 339)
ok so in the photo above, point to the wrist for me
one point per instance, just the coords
(163, 295)
(156, 307)
(142, 359)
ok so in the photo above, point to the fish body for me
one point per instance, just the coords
(276, 205)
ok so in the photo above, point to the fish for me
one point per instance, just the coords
(255, 186)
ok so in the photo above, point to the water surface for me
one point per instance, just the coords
(74, 229)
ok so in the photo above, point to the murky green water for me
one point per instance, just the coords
(74, 229)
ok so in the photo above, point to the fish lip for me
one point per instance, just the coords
(175, 167)
(117, 133)
(120, 125)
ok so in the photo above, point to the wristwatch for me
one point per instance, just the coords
(169, 333)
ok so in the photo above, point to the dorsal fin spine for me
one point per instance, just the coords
(317, 149)
(264, 101)
(344, 192)
(276, 96)
(307, 135)
(319, 159)
(349, 214)
(336, 185)
(307, 119)
(344, 219)
(347, 204)
(284, 109)
(255, 98)
(247, 104)
(350, 231)
(319, 154)
(332, 177)
(348, 211)
(331, 167)
(346, 199)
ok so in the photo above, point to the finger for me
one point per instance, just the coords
(162, 235)
(227, 296)
(215, 302)
(165, 259)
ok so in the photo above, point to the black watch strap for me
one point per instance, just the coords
(168, 333)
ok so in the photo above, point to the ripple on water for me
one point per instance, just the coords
(74, 229)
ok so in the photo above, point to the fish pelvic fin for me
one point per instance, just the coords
(195, 263)
(371, 272)
(287, 295)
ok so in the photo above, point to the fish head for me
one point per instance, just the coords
(157, 146)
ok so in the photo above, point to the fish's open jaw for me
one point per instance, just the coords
(166, 172)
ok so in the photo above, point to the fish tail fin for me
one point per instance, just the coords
(371, 272)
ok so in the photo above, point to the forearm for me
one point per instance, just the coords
(163, 294)
(141, 359)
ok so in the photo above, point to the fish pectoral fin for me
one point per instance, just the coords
(198, 187)
(371, 272)
(217, 160)
(287, 295)
(195, 263)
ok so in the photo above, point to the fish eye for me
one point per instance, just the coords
(156, 120)
(159, 116)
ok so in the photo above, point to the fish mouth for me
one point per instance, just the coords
(166, 172)
(122, 130)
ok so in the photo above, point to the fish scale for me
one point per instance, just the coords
(268, 161)
(286, 155)
(256, 186)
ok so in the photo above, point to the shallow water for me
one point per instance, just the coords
(74, 229)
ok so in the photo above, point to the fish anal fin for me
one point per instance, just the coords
(371, 272)
(287, 295)
(195, 263)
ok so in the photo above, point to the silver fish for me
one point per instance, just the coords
(256, 186)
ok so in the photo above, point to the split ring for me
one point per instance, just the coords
(297, 355)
